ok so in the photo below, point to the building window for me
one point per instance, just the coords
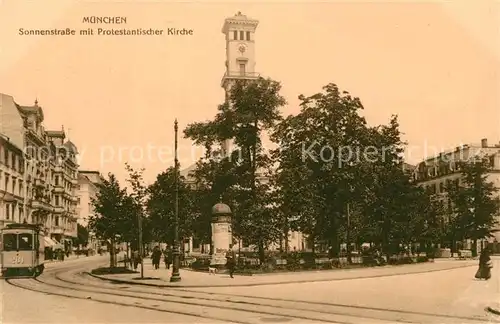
(57, 201)
(235, 35)
(13, 186)
(6, 183)
(242, 35)
(7, 211)
(6, 157)
(242, 69)
(441, 187)
(248, 35)
(57, 221)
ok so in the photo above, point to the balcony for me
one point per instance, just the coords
(56, 230)
(58, 209)
(238, 75)
(74, 198)
(58, 189)
(39, 203)
(58, 169)
(74, 182)
(39, 183)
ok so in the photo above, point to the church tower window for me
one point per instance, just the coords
(248, 35)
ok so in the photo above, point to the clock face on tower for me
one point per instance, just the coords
(242, 48)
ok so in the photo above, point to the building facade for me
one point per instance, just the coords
(87, 190)
(437, 172)
(38, 172)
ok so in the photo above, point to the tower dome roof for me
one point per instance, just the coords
(71, 147)
(220, 208)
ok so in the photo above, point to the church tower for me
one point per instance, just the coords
(239, 31)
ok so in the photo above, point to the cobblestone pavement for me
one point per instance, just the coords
(448, 296)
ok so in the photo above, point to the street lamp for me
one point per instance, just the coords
(176, 253)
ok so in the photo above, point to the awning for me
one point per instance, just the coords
(52, 243)
(49, 242)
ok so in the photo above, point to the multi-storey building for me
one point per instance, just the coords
(87, 190)
(38, 171)
(437, 172)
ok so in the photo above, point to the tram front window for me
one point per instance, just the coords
(9, 242)
(25, 242)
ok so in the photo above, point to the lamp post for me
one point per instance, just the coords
(176, 253)
(141, 246)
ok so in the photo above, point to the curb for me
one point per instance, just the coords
(493, 310)
(131, 282)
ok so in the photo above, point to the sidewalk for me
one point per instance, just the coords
(494, 307)
(194, 279)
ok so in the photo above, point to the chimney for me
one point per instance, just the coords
(484, 142)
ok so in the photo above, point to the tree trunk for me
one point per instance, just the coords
(285, 237)
(127, 256)
(474, 248)
(112, 253)
(262, 252)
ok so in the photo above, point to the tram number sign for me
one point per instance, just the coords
(17, 259)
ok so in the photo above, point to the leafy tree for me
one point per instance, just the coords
(109, 221)
(475, 203)
(136, 204)
(316, 168)
(251, 108)
(331, 162)
(213, 180)
(161, 207)
(82, 237)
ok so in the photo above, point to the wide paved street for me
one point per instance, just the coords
(449, 296)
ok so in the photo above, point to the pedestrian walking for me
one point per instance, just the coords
(136, 258)
(167, 257)
(156, 257)
(485, 265)
(230, 261)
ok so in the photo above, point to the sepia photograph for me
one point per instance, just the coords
(249, 162)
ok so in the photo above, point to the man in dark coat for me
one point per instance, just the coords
(484, 271)
(230, 261)
(167, 257)
(156, 257)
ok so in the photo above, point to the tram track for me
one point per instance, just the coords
(343, 313)
(50, 284)
(71, 282)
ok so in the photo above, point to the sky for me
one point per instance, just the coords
(434, 64)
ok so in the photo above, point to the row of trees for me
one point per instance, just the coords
(332, 177)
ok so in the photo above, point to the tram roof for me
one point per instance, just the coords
(23, 226)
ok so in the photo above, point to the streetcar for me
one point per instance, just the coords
(22, 250)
